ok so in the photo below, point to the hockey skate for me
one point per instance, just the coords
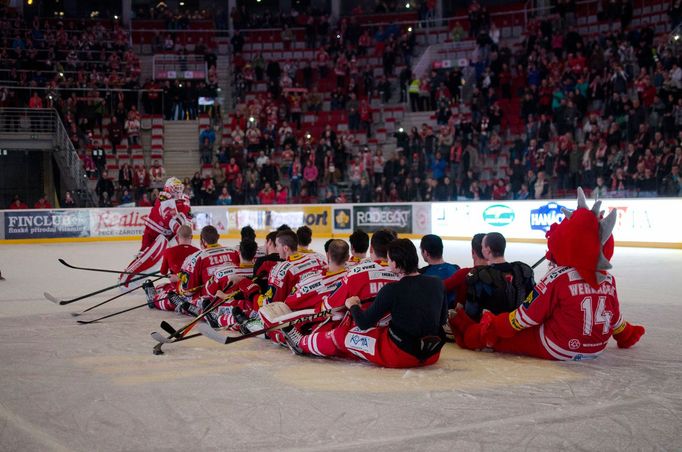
(150, 292)
(293, 340)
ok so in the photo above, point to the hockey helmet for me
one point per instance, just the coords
(174, 187)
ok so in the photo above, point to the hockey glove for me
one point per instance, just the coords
(629, 335)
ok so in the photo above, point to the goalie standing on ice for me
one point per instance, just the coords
(170, 211)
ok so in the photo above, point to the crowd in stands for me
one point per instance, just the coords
(602, 112)
(562, 110)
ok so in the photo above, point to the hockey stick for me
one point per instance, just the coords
(182, 331)
(103, 270)
(54, 299)
(76, 314)
(542, 259)
(169, 329)
(212, 334)
(86, 322)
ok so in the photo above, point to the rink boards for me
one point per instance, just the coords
(641, 222)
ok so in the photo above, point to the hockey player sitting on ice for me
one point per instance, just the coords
(305, 236)
(263, 264)
(286, 274)
(365, 279)
(307, 294)
(414, 306)
(499, 286)
(247, 233)
(173, 258)
(359, 243)
(431, 247)
(224, 283)
(311, 288)
(170, 211)
(573, 311)
(198, 268)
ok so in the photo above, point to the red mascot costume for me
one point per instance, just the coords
(573, 311)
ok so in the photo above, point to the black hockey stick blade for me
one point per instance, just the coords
(168, 328)
(161, 339)
(104, 270)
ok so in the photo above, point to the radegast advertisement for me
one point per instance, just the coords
(39, 224)
(372, 218)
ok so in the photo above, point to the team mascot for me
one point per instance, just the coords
(171, 210)
(573, 311)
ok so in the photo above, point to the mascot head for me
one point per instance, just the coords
(173, 188)
(583, 241)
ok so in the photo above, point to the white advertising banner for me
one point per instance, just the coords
(654, 221)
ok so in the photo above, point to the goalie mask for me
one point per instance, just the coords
(583, 240)
(173, 187)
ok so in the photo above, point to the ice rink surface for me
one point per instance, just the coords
(66, 386)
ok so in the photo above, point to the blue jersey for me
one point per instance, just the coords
(442, 271)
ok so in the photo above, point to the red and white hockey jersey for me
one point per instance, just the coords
(200, 266)
(286, 274)
(165, 218)
(174, 257)
(575, 320)
(309, 291)
(221, 277)
(363, 281)
(353, 261)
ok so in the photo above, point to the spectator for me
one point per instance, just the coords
(157, 175)
(126, 197)
(225, 199)
(280, 193)
(42, 203)
(144, 201)
(206, 152)
(132, 127)
(140, 181)
(115, 134)
(125, 176)
(207, 191)
(310, 175)
(104, 189)
(17, 204)
(68, 201)
(267, 194)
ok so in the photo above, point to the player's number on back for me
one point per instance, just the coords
(600, 316)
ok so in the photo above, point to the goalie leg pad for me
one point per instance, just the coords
(146, 259)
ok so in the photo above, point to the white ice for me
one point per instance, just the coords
(65, 386)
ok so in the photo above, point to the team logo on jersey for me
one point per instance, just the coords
(341, 218)
(545, 216)
(574, 344)
(360, 343)
(499, 215)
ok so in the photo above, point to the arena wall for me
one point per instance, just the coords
(646, 223)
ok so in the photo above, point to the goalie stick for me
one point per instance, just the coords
(76, 314)
(55, 300)
(183, 330)
(104, 270)
(168, 328)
